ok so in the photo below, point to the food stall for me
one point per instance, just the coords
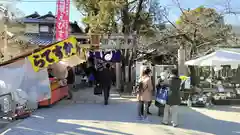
(58, 83)
(29, 72)
(52, 57)
(24, 87)
(24, 80)
(58, 92)
(216, 61)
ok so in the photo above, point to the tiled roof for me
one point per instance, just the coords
(36, 20)
(34, 15)
(40, 39)
(49, 14)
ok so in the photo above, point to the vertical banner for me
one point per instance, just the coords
(62, 19)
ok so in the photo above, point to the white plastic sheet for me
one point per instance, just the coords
(72, 61)
(217, 58)
(20, 75)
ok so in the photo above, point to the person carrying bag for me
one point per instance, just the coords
(97, 90)
(161, 95)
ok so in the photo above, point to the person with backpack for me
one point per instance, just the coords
(144, 94)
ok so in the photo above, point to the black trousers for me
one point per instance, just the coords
(70, 93)
(106, 92)
(149, 104)
(142, 109)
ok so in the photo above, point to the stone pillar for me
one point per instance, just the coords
(181, 62)
(118, 76)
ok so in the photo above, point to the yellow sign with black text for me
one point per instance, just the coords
(53, 54)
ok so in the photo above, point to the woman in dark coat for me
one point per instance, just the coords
(174, 99)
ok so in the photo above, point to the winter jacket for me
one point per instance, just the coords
(146, 93)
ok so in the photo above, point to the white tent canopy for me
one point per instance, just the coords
(217, 58)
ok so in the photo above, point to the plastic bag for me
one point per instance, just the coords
(162, 95)
(91, 77)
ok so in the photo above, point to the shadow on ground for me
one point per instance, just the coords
(117, 119)
(227, 108)
(71, 120)
(195, 120)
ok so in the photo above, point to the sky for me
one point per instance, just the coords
(44, 6)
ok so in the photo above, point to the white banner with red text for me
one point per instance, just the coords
(62, 19)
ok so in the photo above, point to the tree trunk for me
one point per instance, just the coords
(126, 30)
(130, 65)
(118, 76)
(193, 74)
(124, 55)
(126, 61)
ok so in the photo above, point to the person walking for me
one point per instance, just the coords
(105, 82)
(144, 95)
(174, 100)
(70, 81)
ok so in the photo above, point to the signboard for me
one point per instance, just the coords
(53, 54)
(62, 19)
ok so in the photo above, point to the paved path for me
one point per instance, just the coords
(119, 118)
(86, 96)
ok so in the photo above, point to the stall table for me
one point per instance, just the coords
(58, 92)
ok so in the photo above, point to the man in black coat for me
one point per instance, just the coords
(105, 80)
(70, 81)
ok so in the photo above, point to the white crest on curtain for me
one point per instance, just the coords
(108, 56)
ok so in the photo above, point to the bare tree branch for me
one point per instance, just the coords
(137, 16)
